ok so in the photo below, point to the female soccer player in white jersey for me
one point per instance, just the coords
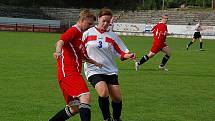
(197, 35)
(102, 46)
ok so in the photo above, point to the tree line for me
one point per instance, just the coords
(114, 4)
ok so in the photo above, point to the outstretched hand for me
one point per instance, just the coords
(131, 56)
(98, 65)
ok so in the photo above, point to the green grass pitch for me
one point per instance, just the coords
(30, 92)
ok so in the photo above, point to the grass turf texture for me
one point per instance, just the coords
(30, 92)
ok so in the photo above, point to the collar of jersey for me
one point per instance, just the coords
(100, 31)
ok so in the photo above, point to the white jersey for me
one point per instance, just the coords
(103, 47)
(198, 28)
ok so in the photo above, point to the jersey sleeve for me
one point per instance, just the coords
(153, 30)
(121, 44)
(85, 35)
(69, 35)
(122, 47)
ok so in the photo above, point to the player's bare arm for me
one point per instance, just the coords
(58, 54)
(89, 60)
(131, 56)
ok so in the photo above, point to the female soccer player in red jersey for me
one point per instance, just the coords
(159, 44)
(70, 53)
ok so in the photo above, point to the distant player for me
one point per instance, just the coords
(159, 44)
(113, 20)
(197, 35)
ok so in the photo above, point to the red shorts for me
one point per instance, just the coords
(72, 87)
(157, 47)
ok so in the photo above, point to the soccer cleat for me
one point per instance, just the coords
(137, 66)
(201, 49)
(163, 68)
(187, 47)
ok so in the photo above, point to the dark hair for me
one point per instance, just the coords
(105, 11)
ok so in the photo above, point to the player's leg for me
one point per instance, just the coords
(84, 107)
(103, 99)
(100, 85)
(144, 59)
(74, 86)
(116, 101)
(70, 110)
(115, 93)
(154, 49)
(81, 90)
(201, 44)
(167, 52)
(191, 42)
(63, 114)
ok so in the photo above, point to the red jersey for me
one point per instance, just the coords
(160, 32)
(72, 54)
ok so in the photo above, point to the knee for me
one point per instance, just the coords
(117, 99)
(150, 55)
(102, 89)
(85, 98)
(72, 110)
(103, 92)
(169, 54)
(75, 110)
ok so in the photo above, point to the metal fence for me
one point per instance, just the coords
(29, 25)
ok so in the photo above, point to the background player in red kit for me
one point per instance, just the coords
(159, 32)
(69, 54)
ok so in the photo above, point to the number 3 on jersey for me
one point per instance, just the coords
(100, 44)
